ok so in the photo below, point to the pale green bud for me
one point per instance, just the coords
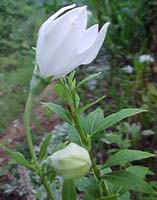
(71, 162)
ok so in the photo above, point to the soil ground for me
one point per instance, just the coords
(15, 135)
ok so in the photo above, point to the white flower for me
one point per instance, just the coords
(128, 69)
(71, 162)
(64, 43)
(146, 58)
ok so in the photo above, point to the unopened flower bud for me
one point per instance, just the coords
(64, 42)
(71, 162)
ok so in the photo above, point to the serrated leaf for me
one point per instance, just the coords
(116, 117)
(125, 156)
(44, 146)
(128, 181)
(69, 190)
(85, 107)
(60, 111)
(88, 78)
(18, 157)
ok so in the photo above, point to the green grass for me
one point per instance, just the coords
(14, 83)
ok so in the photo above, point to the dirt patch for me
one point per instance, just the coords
(15, 135)
(15, 132)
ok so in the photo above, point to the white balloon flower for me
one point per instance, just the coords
(65, 43)
(71, 162)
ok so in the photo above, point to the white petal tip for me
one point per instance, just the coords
(61, 11)
(107, 23)
(105, 27)
(71, 6)
(83, 7)
(66, 8)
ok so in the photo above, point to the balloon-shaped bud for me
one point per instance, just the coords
(71, 162)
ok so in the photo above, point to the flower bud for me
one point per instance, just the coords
(71, 162)
(64, 42)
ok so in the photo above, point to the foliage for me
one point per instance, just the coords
(109, 184)
(18, 26)
(128, 38)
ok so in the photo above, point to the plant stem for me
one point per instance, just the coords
(47, 187)
(27, 125)
(97, 174)
(78, 127)
(30, 143)
(85, 142)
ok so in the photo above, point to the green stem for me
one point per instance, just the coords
(98, 176)
(47, 187)
(28, 109)
(95, 169)
(78, 127)
(27, 125)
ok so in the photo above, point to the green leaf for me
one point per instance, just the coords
(128, 181)
(112, 197)
(106, 170)
(142, 171)
(60, 90)
(77, 101)
(149, 198)
(112, 138)
(73, 135)
(71, 78)
(89, 186)
(69, 190)
(94, 120)
(19, 158)
(88, 78)
(60, 111)
(48, 172)
(85, 107)
(44, 146)
(83, 183)
(60, 146)
(88, 197)
(125, 156)
(125, 196)
(116, 117)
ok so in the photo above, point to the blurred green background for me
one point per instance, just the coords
(128, 61)
(131, 34)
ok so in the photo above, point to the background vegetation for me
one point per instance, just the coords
(133, 32)
(19, 23)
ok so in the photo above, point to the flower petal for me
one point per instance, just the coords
(62, 10)
(90, 54)
(57, 47)
(54, 16)
(88, 38)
